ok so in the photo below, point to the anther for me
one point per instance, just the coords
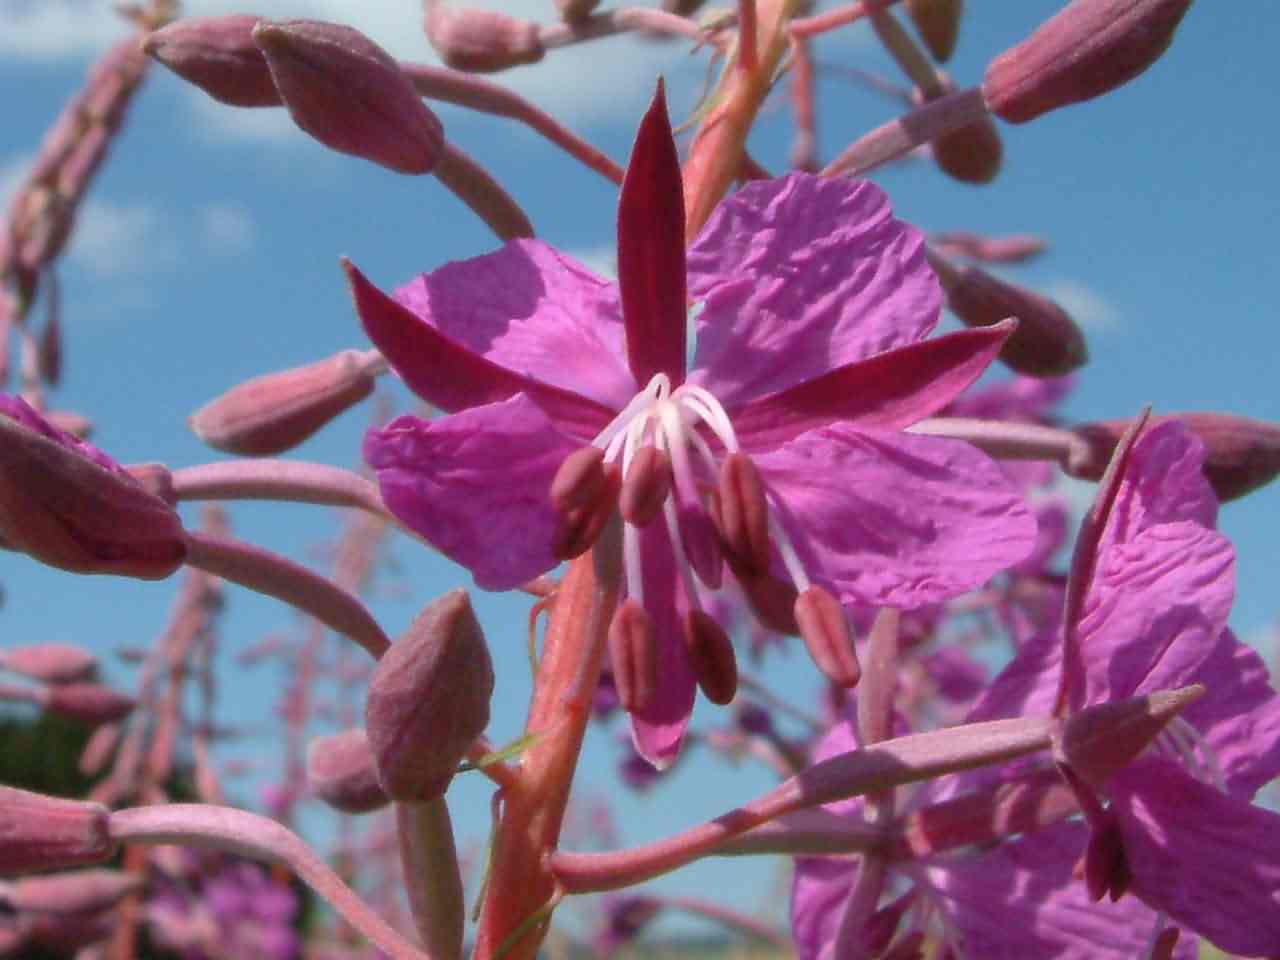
(579, 480)
(773, 601)
(711, 656)
(647, 484)
(581, 527)
(742, 514)
(633, 654)
(826, 636)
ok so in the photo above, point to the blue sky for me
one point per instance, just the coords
(208, 253)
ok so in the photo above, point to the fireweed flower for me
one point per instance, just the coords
(810, 356)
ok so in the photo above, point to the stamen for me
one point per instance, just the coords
(1211, 765)
(700, 401)
(656, 390)
(790, 559)
(677, 548)
(632, 565)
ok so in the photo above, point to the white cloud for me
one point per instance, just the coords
(602, 259)
(225, 229)
(1089, 307)
(114, 240)
(57, 29)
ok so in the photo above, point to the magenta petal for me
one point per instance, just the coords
(534, 311)
(659, 729)
(651, 270)
(475, 485)
(800, 275)
(819, 890)
(1210, 861)
(452, 377)
(891, 519)
(1020, 901)
(888, 392)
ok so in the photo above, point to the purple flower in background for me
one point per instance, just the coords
(810, 359)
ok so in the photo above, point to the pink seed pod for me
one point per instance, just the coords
(1241, 454)
(429, 700)
(275, 412)
(1047, 342)
(218, 55)
(481, 41)
(69, 505)
(50, 662)
(1087, 49)
(348, 93)
(938, 23)
(341, 772)
(88, 703)
(48, 833)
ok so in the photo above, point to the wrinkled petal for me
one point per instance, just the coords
(531, 309)
(893, 519)
(1210, 861)
(800, 275)
(651, 257)
(659, 729)
(1164, 482)
(1020, 900)
(475, 485)
(888, 392)
(819, 891)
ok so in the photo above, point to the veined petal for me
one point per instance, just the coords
(452, 377)
(820, 888)
(475, 485)
(534, 311)
(1020, 900)
(802, 274)
(658, 730)
(651, 258)
(890, 519)
(888, 392)
(1212, 862)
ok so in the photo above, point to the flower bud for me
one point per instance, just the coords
(970, 154)
(481, 41)
(1087, 49)
(50, 662)
(89, 703)
(82, 891)
(938, 23)
(711, 657)
(348, 93)
(71, 506)
(341, 772)
(429, 700)
(276, 412)
(218, 55)
(1241, 454)
(48, 833)
(633, 654)
(1047, 342)
(825, 631)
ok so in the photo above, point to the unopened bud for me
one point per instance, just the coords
(1241, 454)
(429, 700)
(972, 153)
(341, 772)
(742, 515)
(581, 527)
(348, 93)
(575, 9)
(276, 412)
(1098, 742)
(50, 662)
(711, 657)
(646, 487)
(71, 506)
(48, 833)
(218, 55)
(1087, 49)
(825, 631)
(579, 480)
(633, 652)
(88, 703)
(481, 41)
(938, 23)
(82, 891)
(156, 478)
(1047, 342)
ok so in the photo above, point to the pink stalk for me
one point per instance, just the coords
(728, 918)
(831, 19)
(748, 55)
(286, 480)
(900, 136)
(273, 575)
(473, 185)
(1007, 440)
(622, 20)
(433, 882)
(804, 146)
(251, 835)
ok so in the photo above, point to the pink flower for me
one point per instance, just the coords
(810, 358)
